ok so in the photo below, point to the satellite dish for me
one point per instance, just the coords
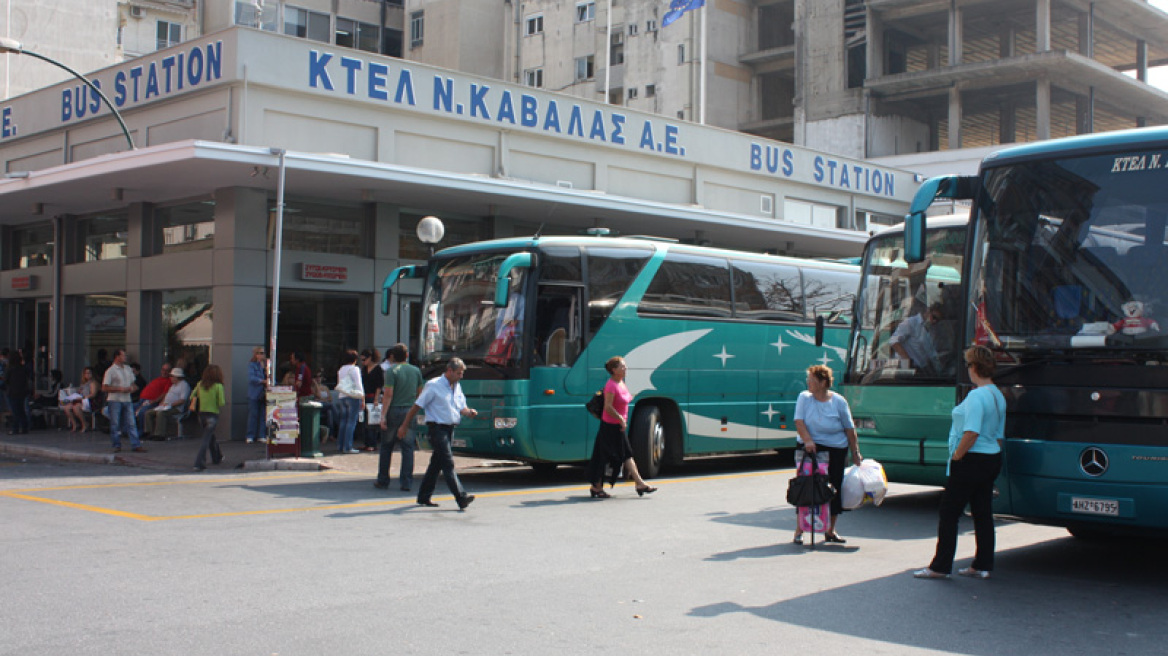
(430, 230)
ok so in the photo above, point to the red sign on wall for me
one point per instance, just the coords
(24, 283)
(324, 273)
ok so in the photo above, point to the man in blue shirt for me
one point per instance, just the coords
(445, 406)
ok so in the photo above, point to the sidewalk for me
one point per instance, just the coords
(95, 447)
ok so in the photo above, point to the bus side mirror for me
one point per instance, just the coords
(394, 276)
(503, 282)
(953, 187)
(820, 322)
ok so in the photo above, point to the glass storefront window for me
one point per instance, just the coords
(318, 228)
(458, 231)
(32, 246)
(318, 324)
(186, 227)
(103, 237)
(105, 327)
(186, 327)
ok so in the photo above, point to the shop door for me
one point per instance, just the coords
(409, 323)
(32, 335)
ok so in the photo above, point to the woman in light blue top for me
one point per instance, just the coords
(824, 423)
(975, 459)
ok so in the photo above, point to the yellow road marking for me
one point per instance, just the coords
(78, 506)
(18, 494)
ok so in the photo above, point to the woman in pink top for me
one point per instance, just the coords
(612, 441)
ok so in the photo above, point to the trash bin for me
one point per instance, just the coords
(310, 429)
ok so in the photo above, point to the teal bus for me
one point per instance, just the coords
(1066, 280)
(717, 342)
(901, 379)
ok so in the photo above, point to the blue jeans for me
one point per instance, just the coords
(350, 409)
(441, 460)
(209, 421)
(256, 415)
(121, 416)
(19, 407)
(389, 440)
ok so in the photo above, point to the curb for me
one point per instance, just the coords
(285, 464)
(61, 455)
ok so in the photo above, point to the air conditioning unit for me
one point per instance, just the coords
(136, 11)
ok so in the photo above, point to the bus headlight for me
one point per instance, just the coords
(505, 423)
(866, 423)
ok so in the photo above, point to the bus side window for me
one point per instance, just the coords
(767, 291)
(831, 294)
(610, 272)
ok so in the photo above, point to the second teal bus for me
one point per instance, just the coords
(717, 342)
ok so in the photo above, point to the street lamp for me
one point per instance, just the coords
(430, 231)
(15, 47)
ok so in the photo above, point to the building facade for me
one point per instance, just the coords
(247, 140)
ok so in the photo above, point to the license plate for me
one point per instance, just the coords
(1109, 507)
(462, 444)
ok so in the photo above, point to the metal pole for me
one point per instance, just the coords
(277, 249)
(608, 53)
(13, 46)
(702, 67)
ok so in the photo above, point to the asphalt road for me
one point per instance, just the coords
(104, 560)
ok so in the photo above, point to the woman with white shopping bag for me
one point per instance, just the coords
(824, 423)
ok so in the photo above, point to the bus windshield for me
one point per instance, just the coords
(462, 320)
(1074, 256)
(908, 314)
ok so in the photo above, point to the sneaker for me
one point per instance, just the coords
(974, 573)
(139, 449)
(927, 573)
(381, 486)
(250, 441)
(352, 451)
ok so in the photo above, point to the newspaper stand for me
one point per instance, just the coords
(282, 421)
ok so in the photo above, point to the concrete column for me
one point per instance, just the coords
(1142, 60)
(1008, 122)
(1087, 32)
(239, 294)
(387, 244)
(875, 47)
(1042, 108)
(139, 335)
(954, 118)
(1085, 112)
(956, 36)
(1007, 43)
(1042, 25)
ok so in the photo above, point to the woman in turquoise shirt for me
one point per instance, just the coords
(207, 399)
(975, 459)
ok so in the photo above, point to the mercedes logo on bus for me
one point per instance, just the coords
(1093, 461)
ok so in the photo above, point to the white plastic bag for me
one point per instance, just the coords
(863, 484)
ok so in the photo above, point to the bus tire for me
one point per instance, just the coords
(648, 441)
(544, 469)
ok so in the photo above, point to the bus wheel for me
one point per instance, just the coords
(648, 440)
(544, 469)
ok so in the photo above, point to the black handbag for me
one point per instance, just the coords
(809, 490)
(595, 405)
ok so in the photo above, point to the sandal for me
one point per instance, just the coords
(833, 537)
(974, 573)
(927, 573)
